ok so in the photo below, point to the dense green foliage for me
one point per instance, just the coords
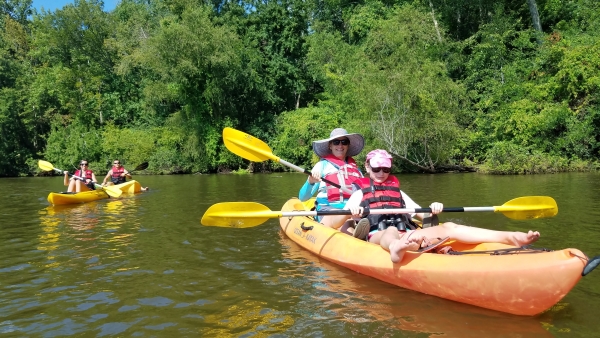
(437, 83)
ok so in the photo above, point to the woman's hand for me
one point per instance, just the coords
(314, 177)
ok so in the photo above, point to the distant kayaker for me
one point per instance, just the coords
(393, 232)
(336, 165)
(117, 174)
(75, 183)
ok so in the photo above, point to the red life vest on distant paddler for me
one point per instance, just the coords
(88, 174)
(116, 177)
(347, 172)
(385, 195)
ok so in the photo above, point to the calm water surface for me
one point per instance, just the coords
(144, 266)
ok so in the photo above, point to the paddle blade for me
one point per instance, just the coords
(142, 166)
(112, 191)
(247, 146)
(45, 165)
(237, 215)
(529, 207)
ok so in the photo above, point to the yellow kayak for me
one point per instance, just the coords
(59, 198)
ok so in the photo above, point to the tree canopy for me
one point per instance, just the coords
(508, 86)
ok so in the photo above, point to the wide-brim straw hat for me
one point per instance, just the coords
(357, 143)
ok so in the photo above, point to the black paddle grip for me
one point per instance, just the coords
(324, 180)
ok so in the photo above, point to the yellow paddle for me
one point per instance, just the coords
(253, 149)
(250, 214)
(111, 191)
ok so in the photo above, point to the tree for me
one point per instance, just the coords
(394, 87)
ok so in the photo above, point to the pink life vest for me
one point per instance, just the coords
(347, 172)
(88, 174)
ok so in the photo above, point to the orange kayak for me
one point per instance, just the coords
(521, 284)
(59, 198)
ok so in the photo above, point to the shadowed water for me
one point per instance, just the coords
(144, 266)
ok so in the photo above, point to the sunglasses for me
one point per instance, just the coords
(343, 142)
(385, 170)
(85, 164)
(116, 162)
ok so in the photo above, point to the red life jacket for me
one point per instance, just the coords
(347, 172)
(88, 174)
(384, 195)
(381, 195)
(116, 177)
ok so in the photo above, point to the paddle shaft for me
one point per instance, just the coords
(380, 211)
(302, 170)
(141, 166)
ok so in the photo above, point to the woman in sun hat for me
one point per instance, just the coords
(336, 165)
(380, 190)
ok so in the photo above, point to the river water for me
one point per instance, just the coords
(144, 266)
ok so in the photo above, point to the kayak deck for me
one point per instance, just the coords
(521, 284)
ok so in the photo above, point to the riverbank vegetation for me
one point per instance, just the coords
(505, 86)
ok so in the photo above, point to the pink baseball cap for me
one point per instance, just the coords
(379, 158)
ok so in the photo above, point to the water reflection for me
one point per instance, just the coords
(81, 221)
(246, 318)
(96, 232)
(358, 299)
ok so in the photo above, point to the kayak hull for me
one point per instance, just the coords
(60, 198)
(520, 284)
(54, 198)
(130, 187)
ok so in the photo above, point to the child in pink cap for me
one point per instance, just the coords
(379, 158)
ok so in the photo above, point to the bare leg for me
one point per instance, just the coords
(348, 227)
(334, 221)
(71, 187)
(397, 243)
(473, 235)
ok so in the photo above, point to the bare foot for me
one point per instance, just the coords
(397, 249)
(399, 246)
(521, 238)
